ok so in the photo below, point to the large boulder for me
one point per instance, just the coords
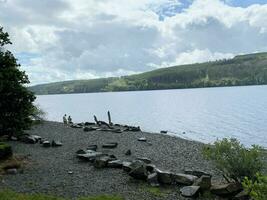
(5, 151)
(204, 182)
(138, 170)
(190, 191)
(164, 177)
(227, 189)
(184, 179)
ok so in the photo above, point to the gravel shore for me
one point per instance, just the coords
(47, 171)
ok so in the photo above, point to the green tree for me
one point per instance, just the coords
(16, 101)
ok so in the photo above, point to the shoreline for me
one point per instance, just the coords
(47, 171)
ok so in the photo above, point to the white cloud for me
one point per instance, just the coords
(100, 38)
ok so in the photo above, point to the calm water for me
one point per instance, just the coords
(203, 114)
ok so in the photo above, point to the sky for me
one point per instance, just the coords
(58, 40)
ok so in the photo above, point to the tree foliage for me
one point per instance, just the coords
(16, 101)
(234, 160)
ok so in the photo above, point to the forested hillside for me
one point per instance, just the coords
(248, 69)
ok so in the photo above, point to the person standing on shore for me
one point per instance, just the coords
(69, 120)
(65, 119)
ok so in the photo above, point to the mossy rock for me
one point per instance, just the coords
(5, 151)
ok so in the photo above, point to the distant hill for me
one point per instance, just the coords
(248, 69)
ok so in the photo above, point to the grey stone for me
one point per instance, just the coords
(151, 168)
(189, 191)
(243, 195)
(90, 155)
(126, 166)
(46, 143)
(110, 145)
(56, 143)
(152, 179)
(204, 182)
(128, 152)
(101, 162)
(12, 171)
(138, 170)
(144, 159)
(80, 151)
(197, 173)
(92, 147)
(142, 139)
(164, 177)
(226, 189)
(115, 164)
(184, 179)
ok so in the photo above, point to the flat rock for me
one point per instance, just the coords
(90, 155)
(144, 159)
(110, 145)
(226, 189)
(92, 147)
(142, 139)
(184, 179)
(197, 173)
(56, 143)
(115, 164)
(189, 191)
(164, 177)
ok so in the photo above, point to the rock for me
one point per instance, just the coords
(13, 138)
(46, 143)
(115, 164)
(184, 179)
(243, 195)
(102, 161)
(28, 139)
(151, 168)
(89, 123)
(164, 177)
(126, 166)
(164, 132)
(144, 159)
(226, 189)
(128, 152)
(70, 172)
(204, 182)
(80, 151)
(75, 126)
(56, 144)
(87, 129)
(110, 145)
(90, 155)
(152, 179)
(142, 139)
(189, 191)
(12, 171)
(138, 170)
(92, 147)
(196, 173)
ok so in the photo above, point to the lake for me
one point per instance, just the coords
(204, 114)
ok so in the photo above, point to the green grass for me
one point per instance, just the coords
(11, 195)
(155, 191)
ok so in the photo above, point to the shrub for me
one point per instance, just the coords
(234, 160)
(257, 189)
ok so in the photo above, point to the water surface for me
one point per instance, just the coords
(200, 114)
